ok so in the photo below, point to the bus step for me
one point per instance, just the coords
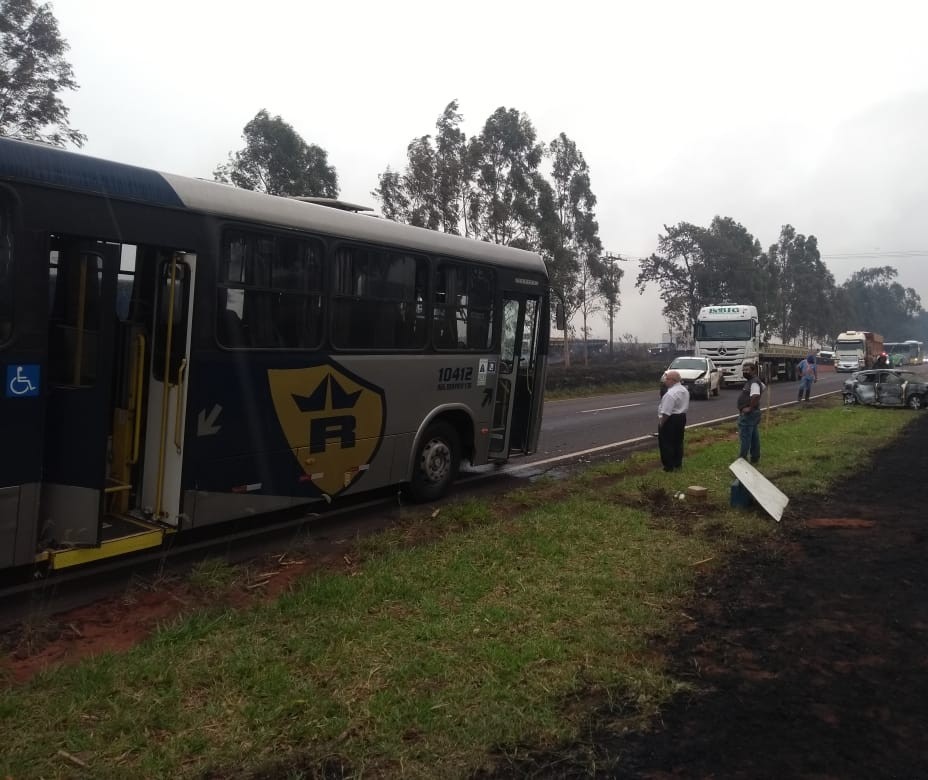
(120, 535)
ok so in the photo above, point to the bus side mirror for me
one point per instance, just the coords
(560, 321)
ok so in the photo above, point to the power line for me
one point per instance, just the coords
(902, 254)
(898, 254)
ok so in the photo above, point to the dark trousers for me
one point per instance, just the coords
(670, 441)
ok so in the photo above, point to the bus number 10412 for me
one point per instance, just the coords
(455, 374)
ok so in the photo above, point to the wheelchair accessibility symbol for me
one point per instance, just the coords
(22, 381)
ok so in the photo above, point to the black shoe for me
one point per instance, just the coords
(667, 469)
(755, 461)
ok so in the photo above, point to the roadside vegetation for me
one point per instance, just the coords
(623, 374)
(453, 641)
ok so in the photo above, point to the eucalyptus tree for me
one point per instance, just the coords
(33, 71)
(420, 189)
(570, 232)
(503, 202)
(487, 187)
(731, 271)
(695, 266)
(876, 301)
(453, 171)
(433, 191)
(491, 186)
(391, 192)
(610, 280)
(677, 268)
(801, 287)
(277, 160)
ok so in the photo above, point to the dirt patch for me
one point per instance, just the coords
(839, 522)
(118, 623)
(806, 658)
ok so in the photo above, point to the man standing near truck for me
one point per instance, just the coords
(808, 375)
(749, 414)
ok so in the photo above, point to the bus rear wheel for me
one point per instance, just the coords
(437, 460)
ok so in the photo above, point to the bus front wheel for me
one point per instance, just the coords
(436, 464)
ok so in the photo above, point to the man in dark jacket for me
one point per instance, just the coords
(749, 414)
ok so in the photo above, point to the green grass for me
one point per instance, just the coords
(601, 388)
(484, 627)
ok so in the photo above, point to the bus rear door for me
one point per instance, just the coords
(81, 332)
(118, 346)
(167, 395)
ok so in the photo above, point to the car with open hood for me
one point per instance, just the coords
(887, 387)
(698, 374)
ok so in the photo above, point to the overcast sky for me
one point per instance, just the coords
(808, 113)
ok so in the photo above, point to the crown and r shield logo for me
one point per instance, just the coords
(333, 421)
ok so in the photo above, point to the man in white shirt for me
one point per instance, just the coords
(671, 421)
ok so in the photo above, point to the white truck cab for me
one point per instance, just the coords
(729, 334)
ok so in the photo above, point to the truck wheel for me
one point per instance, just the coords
(436, 463)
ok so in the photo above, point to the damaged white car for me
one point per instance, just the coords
(699, 375)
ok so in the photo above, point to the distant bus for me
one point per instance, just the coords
(178, 353)
(904, 353)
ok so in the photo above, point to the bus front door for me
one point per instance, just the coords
(518, 397)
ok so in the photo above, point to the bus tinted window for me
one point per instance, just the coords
(75, 277)
(6, 273)
(270, 291)
(463, 307)
(379, 299)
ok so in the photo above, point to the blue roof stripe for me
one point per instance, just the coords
(38, 164)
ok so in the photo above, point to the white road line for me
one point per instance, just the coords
(607, 408)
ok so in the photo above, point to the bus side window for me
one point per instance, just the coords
(74, 316)
(231, 327)
(462, 310)
(378, 299)
(6, 273)
(270, 291)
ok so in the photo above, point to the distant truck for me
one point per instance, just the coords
(663, 348)
(729, 334)
(856, 350)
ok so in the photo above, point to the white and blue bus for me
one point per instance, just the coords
(179, 353)
(904, 353)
